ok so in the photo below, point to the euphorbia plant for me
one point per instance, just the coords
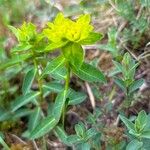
(67, 36)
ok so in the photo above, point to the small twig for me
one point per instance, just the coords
(124, 46)
(89, 47)
(139, 13)
(55, 145)
(90, 93)
(35, 145)
(122, 26)
(117, 121)
(113, 5)
(145, 56)
(18, 139)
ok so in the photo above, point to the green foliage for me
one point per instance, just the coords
(139, 129)
(23, 100)
(28, 80)
(89, 73)
(2, 142)
(68, 36)
(127, 82)
(45, 95)
(111, 45)
(46, 125)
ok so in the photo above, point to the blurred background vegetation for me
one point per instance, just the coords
(124, 23)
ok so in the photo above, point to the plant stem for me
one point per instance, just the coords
(38, 76)
(44, 146)
(38, 80)
(67, 81)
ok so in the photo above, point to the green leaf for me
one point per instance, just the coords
(5, 115)
(2, 142)
(89, 73)
(21, 113)
(61, 134)
(23, 100)
(90, 133)
(53, 46)
(145, 134)
(53, 87)
(59, 104)
(53, 65)
(75, 97)
(73, 139)
(121, 84)
(106, 47)
(92, 38)
(46, 125)
(80, 129)
(141, 121)
(15, 60)
(135, 85)
(14, 30)
(118, 66)
(59, 74)
(74, 53)
(28, 80)
(83, 146)
(134, 145)
(127, 122)
(22, 47)
(35, 117)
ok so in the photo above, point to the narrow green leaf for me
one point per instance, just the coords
(83, 146)
(59, 74)
(23, 100)
(80, 129)
(92, 38)
(5, 115)
(14, 60)
(2, 142)
(54, 46)
(35, 117)
(134, 145)
(75, 97)
(53, 65)
(59, 104)
(62, 135)
(145, 134)
(141, 120)
(127, 122)
(53, 87)
(121, 84)
(22, 47)
(106, 47)
(14, 30)
(89, 73)
(21, 113)
(73, 139)
(90, 133)
(28, 80)
(118, 66)
(45, 126)
(135, 85)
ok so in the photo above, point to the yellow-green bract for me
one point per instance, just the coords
(64, 29)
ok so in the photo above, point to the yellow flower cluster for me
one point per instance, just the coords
(63, 29)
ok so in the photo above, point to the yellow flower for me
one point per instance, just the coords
(65, 29)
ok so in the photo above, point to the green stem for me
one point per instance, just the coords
(67, 81)
(39, 81)
(38, 76)
(44, 146)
